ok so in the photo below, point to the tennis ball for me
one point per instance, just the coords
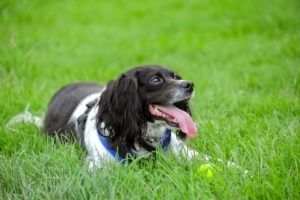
(205, 170)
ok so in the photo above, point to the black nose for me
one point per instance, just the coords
(189, 86)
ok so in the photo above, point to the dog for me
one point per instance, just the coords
(145, 109)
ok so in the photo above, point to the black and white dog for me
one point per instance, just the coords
(146, 108)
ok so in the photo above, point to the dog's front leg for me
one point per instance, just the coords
(179, 148)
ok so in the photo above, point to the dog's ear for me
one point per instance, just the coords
(120, 109)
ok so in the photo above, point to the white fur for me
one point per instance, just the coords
(97, 153)
(95, 149)
(179, 93)
(81, 107)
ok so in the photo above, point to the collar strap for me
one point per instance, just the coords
(110, 150)
(164, 142)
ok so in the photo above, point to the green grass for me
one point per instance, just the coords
(244, 57)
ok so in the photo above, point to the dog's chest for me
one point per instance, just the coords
(93, 145)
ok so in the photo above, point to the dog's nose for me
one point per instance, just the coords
(189, 86)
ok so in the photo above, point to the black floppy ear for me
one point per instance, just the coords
(120, 109)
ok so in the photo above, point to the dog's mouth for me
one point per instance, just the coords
(174, 117)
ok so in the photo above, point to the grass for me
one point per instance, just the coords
(244, 57)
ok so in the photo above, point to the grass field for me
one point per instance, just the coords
(243, 56)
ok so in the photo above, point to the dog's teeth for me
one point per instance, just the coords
(175, 121)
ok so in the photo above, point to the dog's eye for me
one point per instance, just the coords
(156, 80)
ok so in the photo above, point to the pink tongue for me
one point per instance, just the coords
(184, 120)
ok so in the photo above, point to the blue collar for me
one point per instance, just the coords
(164, 142)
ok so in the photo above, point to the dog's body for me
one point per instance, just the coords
(63, 104)
(132, 116)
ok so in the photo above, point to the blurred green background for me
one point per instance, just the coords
(244, 57)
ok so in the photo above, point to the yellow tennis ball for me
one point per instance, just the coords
(205, 170)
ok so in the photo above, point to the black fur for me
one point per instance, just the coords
(121, 109)
(123, 106)
(62, 106)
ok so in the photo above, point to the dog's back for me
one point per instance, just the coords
(62, 106)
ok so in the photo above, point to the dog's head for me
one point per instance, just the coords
(146, 94)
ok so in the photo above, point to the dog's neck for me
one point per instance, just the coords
(153, 136)
(155, 130)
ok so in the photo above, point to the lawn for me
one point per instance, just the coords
(243, 56)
